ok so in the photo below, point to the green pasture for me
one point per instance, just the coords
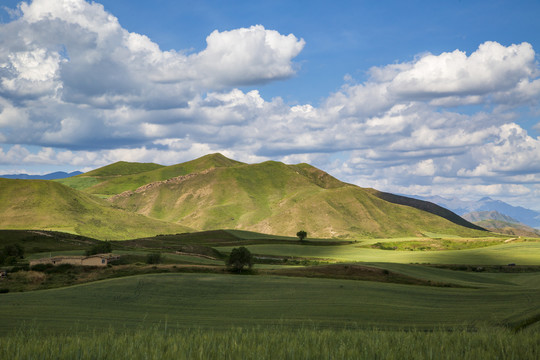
(522, 253)
(161, 342)
(224, 301)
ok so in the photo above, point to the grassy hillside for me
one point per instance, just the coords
(275, 198)
(118, 169)
(119, 177)
(425, 206)
(38, 241)
(41, 204)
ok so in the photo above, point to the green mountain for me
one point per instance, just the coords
(42, 204)
(217, 193)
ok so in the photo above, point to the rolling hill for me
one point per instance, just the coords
(214, 192)
(42, 204)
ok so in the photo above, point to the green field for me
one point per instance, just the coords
(222, 301)
(466, 304)
(524, 253)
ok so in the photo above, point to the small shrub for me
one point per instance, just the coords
(153, 258)
(15, 250)
(10, 260)
(101, 248)
(59, 269)
(29, 277)
(22, 267)
(4, 291)
(41, 267)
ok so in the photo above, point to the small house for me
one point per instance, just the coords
(92, 260)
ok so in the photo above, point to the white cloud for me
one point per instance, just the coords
(491, 68)
(82, 49)
(247, 56)
(513, 152)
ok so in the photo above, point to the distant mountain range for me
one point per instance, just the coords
(126, 199)
(476, 216)
(51, 176)
(500, 223)
(460, 207)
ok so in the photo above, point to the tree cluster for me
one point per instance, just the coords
(10, 254)
(101, 248)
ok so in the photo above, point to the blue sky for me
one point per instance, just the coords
(416, 97)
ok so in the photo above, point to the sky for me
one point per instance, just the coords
(410, 97)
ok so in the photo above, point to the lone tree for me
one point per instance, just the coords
(301, 235)
(239, 258)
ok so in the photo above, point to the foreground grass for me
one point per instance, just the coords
(159, 342)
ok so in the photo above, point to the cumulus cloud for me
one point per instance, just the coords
(75, 59)
(247, 56)
(491, 68)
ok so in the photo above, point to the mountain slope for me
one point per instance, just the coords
(41, 204)
(275, 198)
(427, 206)
(509, 228)
(120, 177)
(476, 216)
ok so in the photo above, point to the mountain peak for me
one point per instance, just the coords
(213, 160)
(123, 168)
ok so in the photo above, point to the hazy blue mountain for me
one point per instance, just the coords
(51, 176)
(526, 216)
(477, 216)
(500, 223)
